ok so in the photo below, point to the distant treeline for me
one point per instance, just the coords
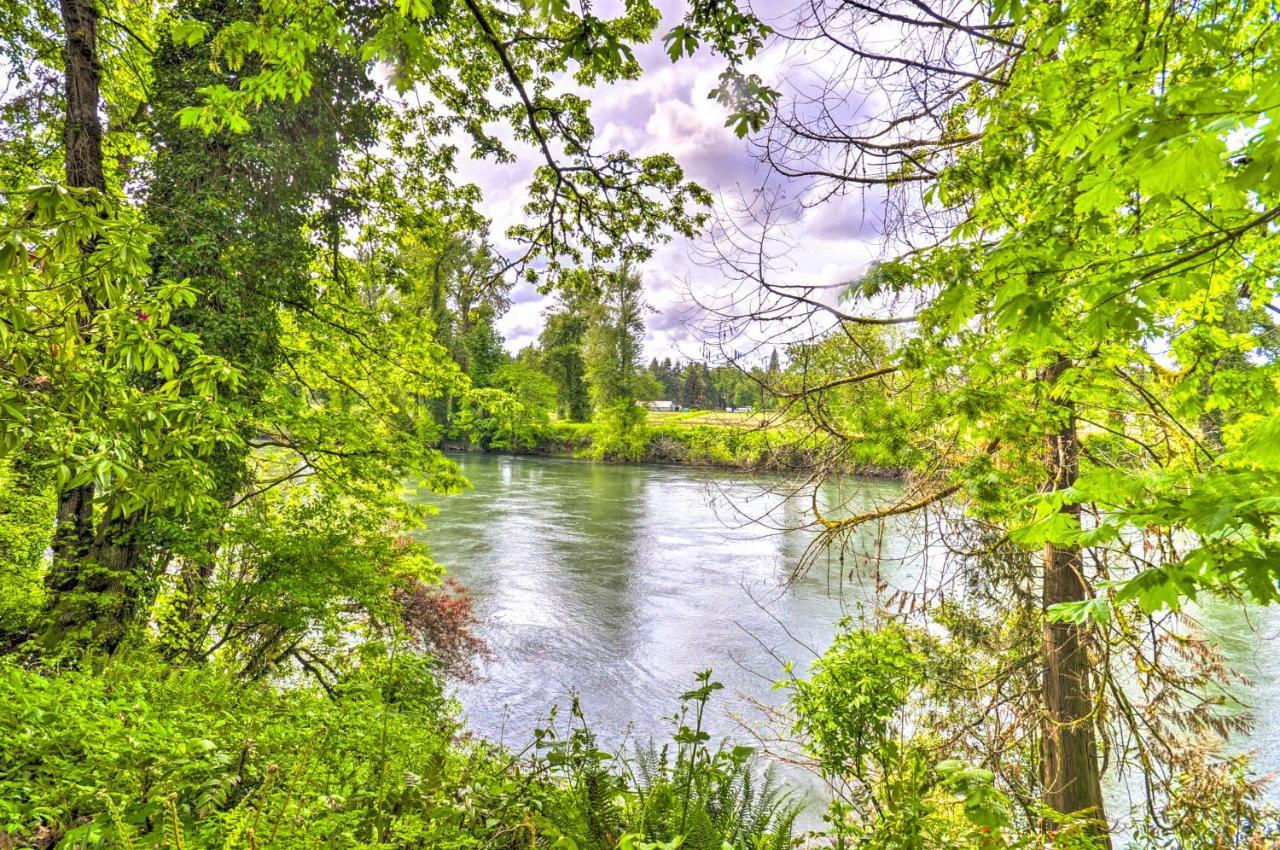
(585, 367)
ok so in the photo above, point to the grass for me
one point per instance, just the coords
(710, 417)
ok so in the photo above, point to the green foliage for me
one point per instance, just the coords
(854, 692)
(1117, 205)
(482, 348)
(563, 360)
(527, 384)
(852, 713)
(245, 765)
(126, 400)
(143, 754)
(702, 797)
(499, 420)
(736, 36)
(681, 439)
(608, 207)
(615, 338)
(620, 432)
(745, 446)
(27, 507)
(299, 572)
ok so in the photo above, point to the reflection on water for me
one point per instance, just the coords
(620, 582)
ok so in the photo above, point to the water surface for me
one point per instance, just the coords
(620, 582)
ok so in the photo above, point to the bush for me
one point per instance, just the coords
(621, 433)
(123, 757)
(144, 754)
(27, 510)
(496, 419)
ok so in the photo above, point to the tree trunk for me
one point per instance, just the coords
(83, 133)
(1069, 748)
(75, 582)
(82, 137)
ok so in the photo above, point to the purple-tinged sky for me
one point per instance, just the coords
(667, 110)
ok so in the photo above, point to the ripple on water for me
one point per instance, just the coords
(620, 582)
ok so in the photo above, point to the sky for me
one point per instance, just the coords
(667, 110)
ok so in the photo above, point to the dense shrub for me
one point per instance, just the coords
(686, 442)
(143, 754)
(26, 530)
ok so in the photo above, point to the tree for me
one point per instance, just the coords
(646, 387)
(563, 359)
(667, 374)
(470, 292)
(112, 368)
(220, 215)
(697, 391)
(1080, 210)
(615, 338)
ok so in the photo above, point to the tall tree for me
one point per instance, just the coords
(615, 337)
(83, 154)
(563, 358)
(1080, 210)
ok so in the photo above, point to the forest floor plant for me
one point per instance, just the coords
(135, 753)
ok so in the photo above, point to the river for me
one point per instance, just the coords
(620, 582)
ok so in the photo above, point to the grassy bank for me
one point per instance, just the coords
(746, 441)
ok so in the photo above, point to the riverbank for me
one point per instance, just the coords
(706, 439)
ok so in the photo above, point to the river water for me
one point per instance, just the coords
(620, 582)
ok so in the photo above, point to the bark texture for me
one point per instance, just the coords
(82, 137)
(1069, 747)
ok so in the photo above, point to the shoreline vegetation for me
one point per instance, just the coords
(707, 439)
(136, 755)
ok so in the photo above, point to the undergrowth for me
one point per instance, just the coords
(137, 754)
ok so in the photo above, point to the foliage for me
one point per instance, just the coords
(26, 531)
(894, 790)
(704, 797)
(1215, 804)
(1106, 218)
(242, 298)
(244, 765)
(300, 573)
(683, 439)
(615, 338)
(620, 432)
(562, 359)
(125, 399)
(526, 384)
(144, 754)
(1073, 352)
(441, 621)
(494, 419)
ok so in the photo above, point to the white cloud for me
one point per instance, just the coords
(667, 110)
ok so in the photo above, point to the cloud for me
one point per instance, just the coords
(526, 293)
(846, 217)
(667, 110)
